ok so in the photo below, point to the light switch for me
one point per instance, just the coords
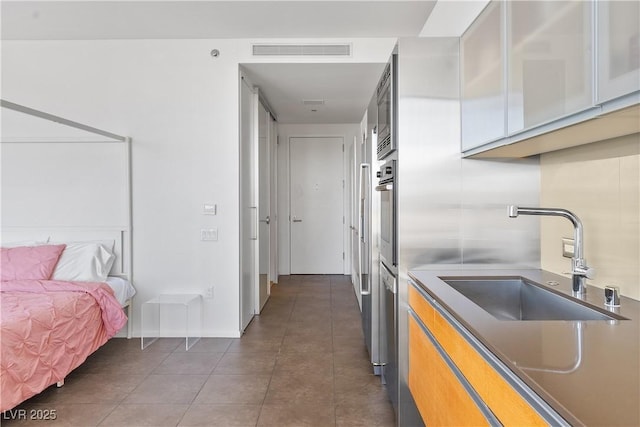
(209, 234)
(210, 209)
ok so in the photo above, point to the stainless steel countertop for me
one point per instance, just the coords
(602, 389)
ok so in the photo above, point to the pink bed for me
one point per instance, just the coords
(48, 328)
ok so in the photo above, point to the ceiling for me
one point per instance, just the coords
(68, 20)
(346, 88)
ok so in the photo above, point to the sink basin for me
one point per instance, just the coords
(516, 298)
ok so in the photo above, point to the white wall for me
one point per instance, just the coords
(180, 106)
(285, 131)
(41, 182)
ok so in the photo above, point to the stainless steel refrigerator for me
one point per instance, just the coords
(368, 240)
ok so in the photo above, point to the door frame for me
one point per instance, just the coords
(252, 243)
(274, 141)
(253, 147)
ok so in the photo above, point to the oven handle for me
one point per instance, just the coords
(384, 187)
(387, 278)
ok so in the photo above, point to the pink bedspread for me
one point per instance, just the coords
(48, 328)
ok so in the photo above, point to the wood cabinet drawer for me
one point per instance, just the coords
(502, 399)
(441, 399)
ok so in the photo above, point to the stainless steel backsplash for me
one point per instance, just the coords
(451, 210)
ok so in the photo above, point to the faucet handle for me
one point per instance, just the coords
(590, 273)
(580, 267)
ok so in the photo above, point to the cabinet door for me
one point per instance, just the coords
(618, 48)
(550, 61)
(503, 401)
(482, 76)
(441, 398)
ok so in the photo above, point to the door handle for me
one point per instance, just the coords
(254, 224)
(296, 219)
(266, 220)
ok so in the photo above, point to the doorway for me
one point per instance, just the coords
(258, 225)
(317, 198)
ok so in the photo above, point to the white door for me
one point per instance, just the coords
(264, 119)
(317, 186)
(248, 204)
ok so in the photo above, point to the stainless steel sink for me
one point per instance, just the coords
(516, 298)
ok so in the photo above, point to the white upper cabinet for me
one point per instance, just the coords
(482, 87)
(618, 48)
(543, 75)
(550, 61)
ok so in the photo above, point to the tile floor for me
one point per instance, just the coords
(302, 362)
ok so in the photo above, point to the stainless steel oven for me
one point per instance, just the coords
(388, 271)
(386, 92)
(388, 237)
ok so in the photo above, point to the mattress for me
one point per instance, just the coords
(122, 288)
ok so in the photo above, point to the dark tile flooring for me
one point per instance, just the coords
(302, 362)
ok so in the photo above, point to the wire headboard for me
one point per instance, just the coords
(93, 226)
(116, 230)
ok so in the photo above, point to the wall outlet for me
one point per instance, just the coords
(568, 247)
(209, 234)
(209, 293)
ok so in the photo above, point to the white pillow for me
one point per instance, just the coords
(84, 262)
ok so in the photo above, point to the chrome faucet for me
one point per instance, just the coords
(579, 270)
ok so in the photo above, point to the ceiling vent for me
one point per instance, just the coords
(313, 101)
(302, 50)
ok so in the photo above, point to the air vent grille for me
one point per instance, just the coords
(313, 101)
(384, 146)
(302, 50)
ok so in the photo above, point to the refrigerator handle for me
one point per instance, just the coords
(365, 288)
(364, 188)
